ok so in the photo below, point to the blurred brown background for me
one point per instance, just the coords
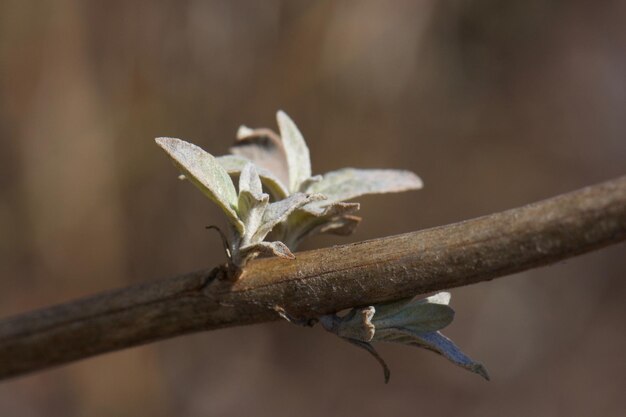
(494, 104)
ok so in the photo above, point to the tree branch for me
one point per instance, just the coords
(320, 281)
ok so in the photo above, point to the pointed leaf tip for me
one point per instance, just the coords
(201, 168)
(249, 180)
(276, 248)
(296, 151)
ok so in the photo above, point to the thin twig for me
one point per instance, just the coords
(319, 282)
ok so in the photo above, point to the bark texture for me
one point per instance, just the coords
(320, 281)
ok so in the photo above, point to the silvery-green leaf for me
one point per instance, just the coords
(306, 184)
(263, 147)
(341, 226)
(266, 248)
(249, 180)
(349, 183)
(442, 297)
(205, 173)
(251, 210)
(252, 202)
(278, 211)
(311, 220)
(298, 159)
(425, 315)
(234, 164)
(328, 211)
(436, 342)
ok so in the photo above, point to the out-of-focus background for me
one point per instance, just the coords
(494, 104)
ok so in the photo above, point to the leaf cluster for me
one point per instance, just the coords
(277, 196)
(276, 190)
(410, 322)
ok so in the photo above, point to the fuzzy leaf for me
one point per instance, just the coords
(414, 323)
(329, 211)
(267, 248)
(434, 341)
(279, 210)
(296, 151)
(249, 180)
(425, 315)
(204, 172)
(251, 209)
(263, 147)
(348, 183)
(306, 184)
(311, 220)
(234, 165)
(340, 226)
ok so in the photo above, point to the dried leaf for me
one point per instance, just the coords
(265, 148)
(235, 164)
(348, 183)
(204, 172)
(296, 151)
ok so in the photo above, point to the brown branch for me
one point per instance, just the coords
(320, 281)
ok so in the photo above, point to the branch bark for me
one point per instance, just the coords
(319, 282)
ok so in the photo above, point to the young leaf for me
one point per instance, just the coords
(306, 184)
(348, 183)
(278, 211)
(331, 210)
(436, 342)
(204, 172)
(297, 153)
(341, 226)
(249, 180)
(311, 220)
(426, 315)
(234, 165)
(251, 209)
(414, 323)
(266, 248)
